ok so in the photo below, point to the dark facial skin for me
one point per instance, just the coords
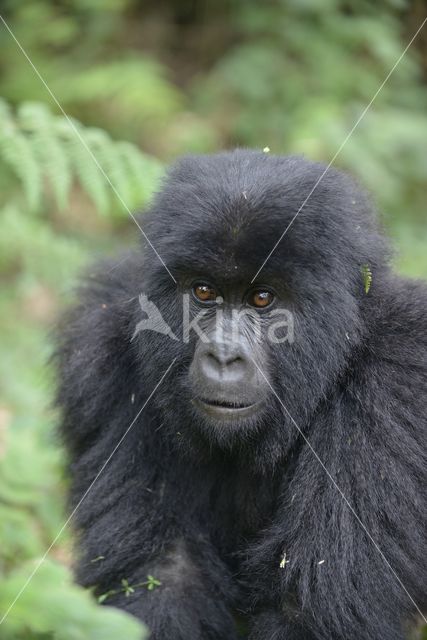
(225, 380)
(238, 329)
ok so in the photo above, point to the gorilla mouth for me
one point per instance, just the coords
(225, 403)
(225, 409)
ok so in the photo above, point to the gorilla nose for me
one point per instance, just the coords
(224, 373)
(223, 362)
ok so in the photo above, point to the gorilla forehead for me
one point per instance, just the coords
(228, 211)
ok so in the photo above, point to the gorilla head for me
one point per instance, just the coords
(266, 303)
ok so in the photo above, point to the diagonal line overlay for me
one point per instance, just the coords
(342, 495)
(340, 148)
(84, 496)
(85, 145)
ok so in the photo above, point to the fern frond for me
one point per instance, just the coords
(106, 153)
(36, 121)
(17, 152)
(84, 167)
(32, 245)
(143, 175)
(48, 155)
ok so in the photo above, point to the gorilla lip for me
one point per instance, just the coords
(225, 409)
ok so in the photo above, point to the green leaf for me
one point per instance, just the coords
(51, 603)
(367, 277)
(17, 152)
(36, 121)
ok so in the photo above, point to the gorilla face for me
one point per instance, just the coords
(225, 331)
(230, 354)
(229, 334)
(259, 329)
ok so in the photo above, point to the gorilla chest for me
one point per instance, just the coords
(240, 506)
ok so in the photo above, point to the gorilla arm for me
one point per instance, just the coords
(140, 516)
(353, 565)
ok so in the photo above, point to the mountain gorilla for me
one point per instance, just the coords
(246, 435)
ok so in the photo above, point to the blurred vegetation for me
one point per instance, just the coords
(166, 77)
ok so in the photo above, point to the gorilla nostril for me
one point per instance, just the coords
(212, 357)
(234, 360)
(222, 359)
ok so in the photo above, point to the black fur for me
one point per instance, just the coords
(212, 516)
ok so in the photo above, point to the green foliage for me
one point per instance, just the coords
(134, 85)
(300, 76)
(30, 517)
(50, 154)
(85, 63)
(54, 608)
(45, 171)
(295, 76)
(150, 584)
(367, 277)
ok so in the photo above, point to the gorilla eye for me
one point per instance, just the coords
(204, 292)
(260, 298)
